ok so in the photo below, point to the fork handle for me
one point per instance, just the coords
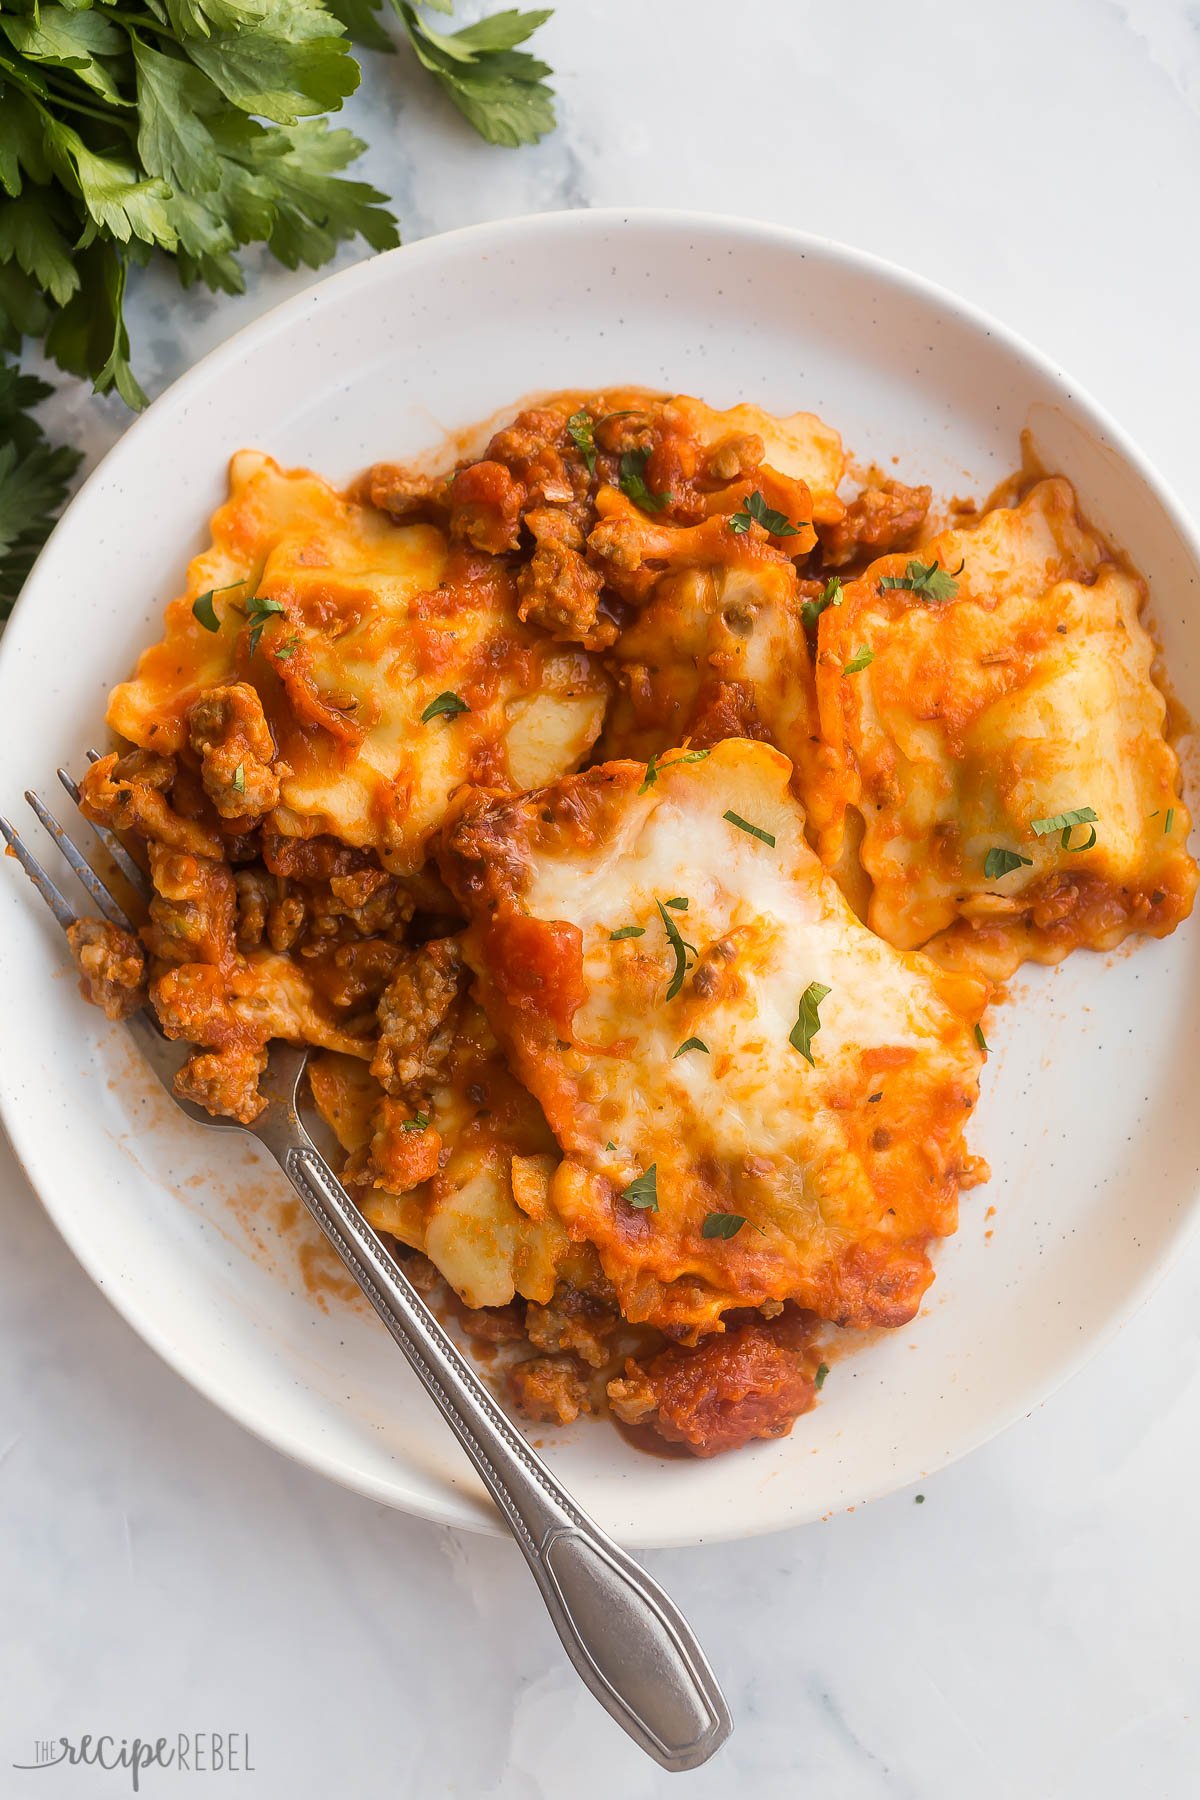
(628, 1641)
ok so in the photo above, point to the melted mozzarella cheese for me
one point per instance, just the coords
(840, 1191)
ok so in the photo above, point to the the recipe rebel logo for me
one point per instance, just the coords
(191, 1753)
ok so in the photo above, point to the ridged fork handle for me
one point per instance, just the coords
(626, 1638)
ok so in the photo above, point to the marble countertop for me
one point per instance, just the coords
(1029, 1630)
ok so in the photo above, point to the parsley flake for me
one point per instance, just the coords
(809, 1023)
(448, 705)
(999, 862)
(1063, 823)
(819, 1377)
(981, 1040)
(626, 931)
(755, 831)
(284, 651)
(239, 779)
(581, 427)
(633, 482)
(654, 768)
(261, 611)
(203, 609)
(642, 1193)
(929, 581)
(1169, 821)
(680, 903)
(418, 1122)
(862, 659)
(679, 945)
(755, 511)
(918, 1499)
(722, 1225)
(690, 1044)
(811, 610)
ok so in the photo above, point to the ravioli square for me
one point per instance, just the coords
(390, 664)
(1004, 744)
(757, 1100)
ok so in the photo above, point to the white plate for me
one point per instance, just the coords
(1088, 1114)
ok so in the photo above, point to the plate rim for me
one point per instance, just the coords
(444, 1508)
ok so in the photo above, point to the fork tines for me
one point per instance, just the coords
(92, 883)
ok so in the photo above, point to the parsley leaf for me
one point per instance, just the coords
(755, 511)
(809, 1023)
(929, 581)
(755, 831)
(999, 862)
(654, 766)
(862, 659)
(499, 89)
(981, 1040)
(449, 704)
(580, 426)
(204, 610)
(722, 1225)
(690, 1044)
(1063, 823)
(633, 481)
(819, 1378)
(680, 903)
(811, 610)
(261, 610)
(418, 1122)
(239, 779)
(642, 1193)
(627, 931)
(1169, 821)
(679, 945)
(34, 477)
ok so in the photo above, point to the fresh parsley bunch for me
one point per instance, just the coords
(190, 128)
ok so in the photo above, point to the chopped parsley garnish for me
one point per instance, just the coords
(633, 482)
(261, 610)
(998, 863)
(679, 903)
(755, 511)
(654, 767)
(581, 425)
(755, 831)
(418, 1122)
(819, 1377)
(722, 1225)
(642, 1193)
(448, 704)
(981, 1040)
(626, 931)
(1168, 821)
(808, 1024)
(811, 610)
(690, 1044)
(286, 650)
(1064, 822)
(610, 1145)
(239, 779)
(679, 946)
(918, 1499)
(928, 580)
(204, 610)
(862, 659)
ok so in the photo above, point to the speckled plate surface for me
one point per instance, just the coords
(1088, 1116)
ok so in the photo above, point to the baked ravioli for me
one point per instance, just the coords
(634, 818)
(758, 1100)
(388, 666)
(1003, 742)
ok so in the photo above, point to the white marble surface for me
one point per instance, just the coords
(1029, 1630)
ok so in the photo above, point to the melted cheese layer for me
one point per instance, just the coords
(841, 1191)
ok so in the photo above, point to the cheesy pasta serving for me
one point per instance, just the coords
(638, 824)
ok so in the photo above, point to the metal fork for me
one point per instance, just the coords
(628, 1641)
